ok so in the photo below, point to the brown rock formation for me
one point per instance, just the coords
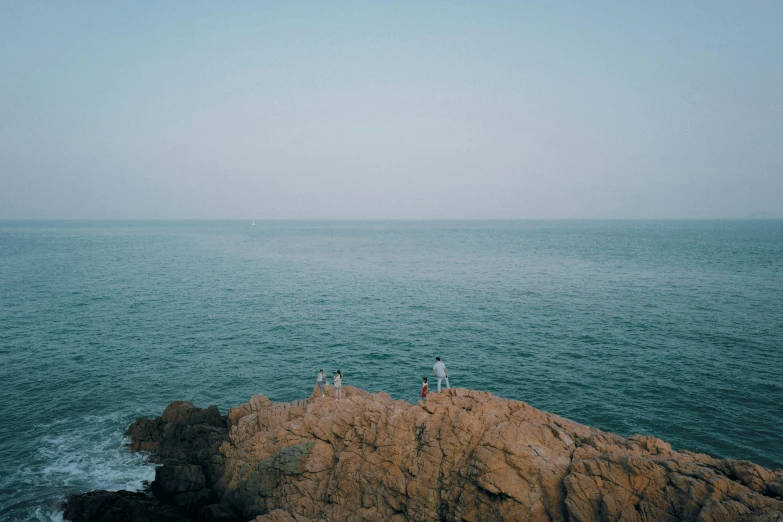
(461, 455)
(467, 455)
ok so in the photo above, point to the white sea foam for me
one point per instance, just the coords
(79, 456)
(48, 515)
(92, 459)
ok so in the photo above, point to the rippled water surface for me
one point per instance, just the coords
(666, 328)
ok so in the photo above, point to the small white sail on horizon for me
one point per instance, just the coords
(254, 222)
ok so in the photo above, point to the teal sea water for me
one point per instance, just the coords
(671, 328)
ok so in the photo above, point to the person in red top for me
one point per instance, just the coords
(424, 388)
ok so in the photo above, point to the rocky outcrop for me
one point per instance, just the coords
(186, 440)
(461, 455)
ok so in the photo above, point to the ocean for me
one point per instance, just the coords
(667, 328)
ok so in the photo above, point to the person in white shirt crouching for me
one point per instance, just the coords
(441, 373)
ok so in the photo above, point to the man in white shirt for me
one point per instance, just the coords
(441, 373)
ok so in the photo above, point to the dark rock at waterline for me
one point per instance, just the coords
(172, 479)
(120, 506)
(183, 485)
(184, 434)
(127, 506)
(185, 440)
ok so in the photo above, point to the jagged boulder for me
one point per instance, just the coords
(185, 440)
(183, 432)
(256, 403)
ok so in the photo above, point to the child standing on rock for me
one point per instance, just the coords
(424, 388)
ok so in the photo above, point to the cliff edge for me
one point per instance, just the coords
(462, 455)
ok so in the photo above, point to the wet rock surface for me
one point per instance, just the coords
(461, 455)
(120, 506)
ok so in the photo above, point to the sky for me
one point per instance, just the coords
(391, 110)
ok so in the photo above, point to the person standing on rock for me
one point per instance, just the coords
(424, 388)
(441, 373)
(320, 380)
(338, 384)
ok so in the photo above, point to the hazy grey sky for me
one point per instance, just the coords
(391, 109)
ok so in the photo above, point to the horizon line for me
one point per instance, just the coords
(749, 218)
